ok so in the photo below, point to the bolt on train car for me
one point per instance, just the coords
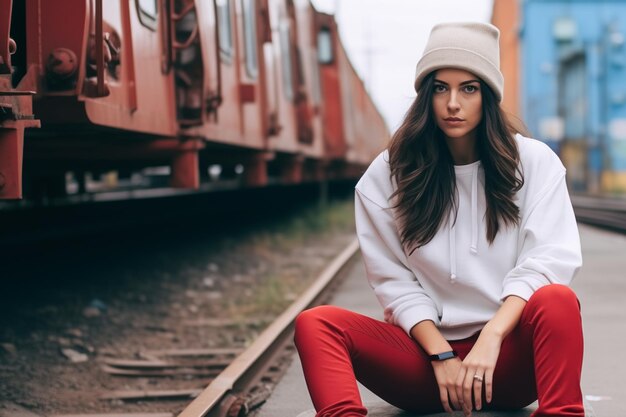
(102, 94)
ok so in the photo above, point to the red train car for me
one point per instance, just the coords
(256, 90)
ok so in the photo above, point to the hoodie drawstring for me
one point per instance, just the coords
(452, 227)
(452, 241)
(474, 245)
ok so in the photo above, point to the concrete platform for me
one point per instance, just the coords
(601, 287)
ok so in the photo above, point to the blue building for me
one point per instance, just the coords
(573, 79)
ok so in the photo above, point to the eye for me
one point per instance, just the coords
(470, 88)
(439, 88)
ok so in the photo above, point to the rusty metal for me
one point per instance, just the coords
(186, 170)
(62, 68)
(166, 36)
(214, 97)
(51, 25)
(152, 103)
(99, 49)
(265, 26)
(128, 59)
(16, 114)
(245, 371)
(149, 394)
(177, 17)
(193, 36)
(255, 170)
(335, 139)
(186, 9)
(292, 169)
(188, 63)
(99, 54)
(114, 415)
(12, 46)
(247, 93)
(246, 403)
(11, 157)
(5, 40)
(62, 62)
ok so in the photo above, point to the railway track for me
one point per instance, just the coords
(122, 343)
(239, 387)
(237, 380)
(604, 212)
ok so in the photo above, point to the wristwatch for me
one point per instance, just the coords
(443, 356)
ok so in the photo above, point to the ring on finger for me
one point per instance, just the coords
(478, 378)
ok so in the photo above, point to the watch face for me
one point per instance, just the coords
(446, 355)
(443, 356)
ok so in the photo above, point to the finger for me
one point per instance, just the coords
(443, 396)
(459, 387)
(488, 385)
(460, 378)
(478, 387)
(454, 399)
(467, 390)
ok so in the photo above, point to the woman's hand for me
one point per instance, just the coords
(446, 373)
(479, 364)
(477, 369)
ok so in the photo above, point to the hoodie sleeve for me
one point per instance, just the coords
(404, 300)
(549, 243)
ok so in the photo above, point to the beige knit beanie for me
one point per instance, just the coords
(470, 46)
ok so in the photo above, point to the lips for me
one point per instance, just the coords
(453, 119)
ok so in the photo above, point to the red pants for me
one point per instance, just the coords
(540, 359)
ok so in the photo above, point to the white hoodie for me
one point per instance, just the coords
(458, 280)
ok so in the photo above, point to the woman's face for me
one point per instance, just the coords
(457, 103)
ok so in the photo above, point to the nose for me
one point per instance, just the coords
(453, 102)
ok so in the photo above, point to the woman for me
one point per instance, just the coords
(469, 241)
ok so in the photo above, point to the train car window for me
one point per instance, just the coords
(250, 37)
(147, 12)
(325, 46)
(225, 29)
(285, 47)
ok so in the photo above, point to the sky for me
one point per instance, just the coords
(385, 38)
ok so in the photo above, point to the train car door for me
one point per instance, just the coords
(230, 126)
(126, 87)
(332, 111)
(268, 72)
(208, 49)
(199, 49)
(185, 57)
(249, 24)
(304, 113)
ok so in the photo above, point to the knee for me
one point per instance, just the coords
(556, 304)
(313, 320)
(556, 295)
(554, 310)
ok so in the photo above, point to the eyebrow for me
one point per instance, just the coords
(463, 83)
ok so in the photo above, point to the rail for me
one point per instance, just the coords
(607, 212)
(224, 393)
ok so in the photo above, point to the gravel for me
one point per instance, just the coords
(68, 308)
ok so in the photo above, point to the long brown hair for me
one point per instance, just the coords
(423, 168)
